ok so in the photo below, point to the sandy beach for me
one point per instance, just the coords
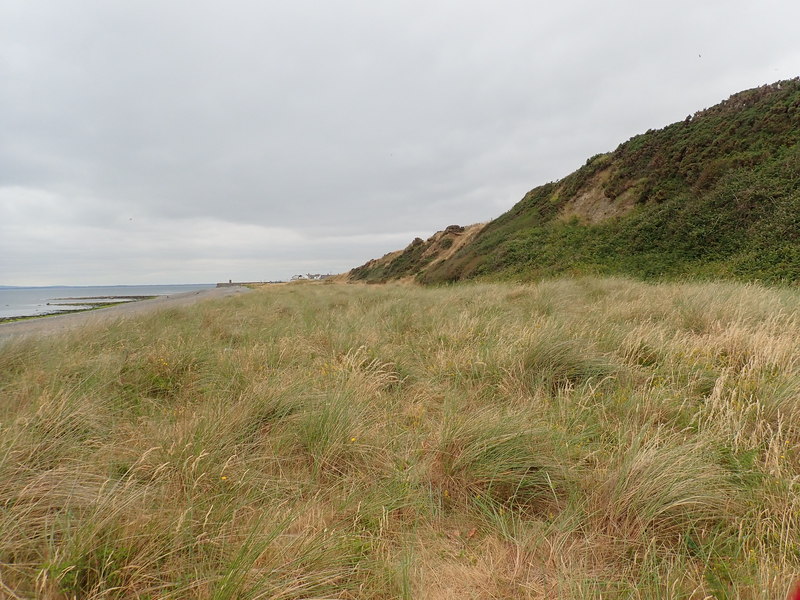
(58, 323)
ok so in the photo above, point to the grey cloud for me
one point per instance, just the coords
(338, 119)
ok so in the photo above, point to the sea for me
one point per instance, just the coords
(38, 301)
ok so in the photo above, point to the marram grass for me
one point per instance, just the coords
(588, 438)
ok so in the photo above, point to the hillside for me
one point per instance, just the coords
(714, 195)
(419, 256)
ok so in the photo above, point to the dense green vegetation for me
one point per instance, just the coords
(716, 195)
(746, 227)
(575, 439)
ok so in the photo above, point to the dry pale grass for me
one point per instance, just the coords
(590, 438)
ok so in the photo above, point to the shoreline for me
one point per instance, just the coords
(55, 323)
(92, 304)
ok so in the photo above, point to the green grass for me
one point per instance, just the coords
(574, 438)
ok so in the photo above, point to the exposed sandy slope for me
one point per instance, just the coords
(58, 323)
(439, 247)
(460, 239)
(592, 206)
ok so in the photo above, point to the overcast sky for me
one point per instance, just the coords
(155, 141)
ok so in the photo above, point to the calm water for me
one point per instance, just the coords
(30, 301)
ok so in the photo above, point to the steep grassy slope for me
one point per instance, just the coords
(573, 439)
(716, 195)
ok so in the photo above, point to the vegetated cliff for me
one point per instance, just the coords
(715, 195)
(419, 256)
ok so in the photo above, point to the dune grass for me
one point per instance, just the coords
(583, 438)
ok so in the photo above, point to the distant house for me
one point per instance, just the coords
(311, 276)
